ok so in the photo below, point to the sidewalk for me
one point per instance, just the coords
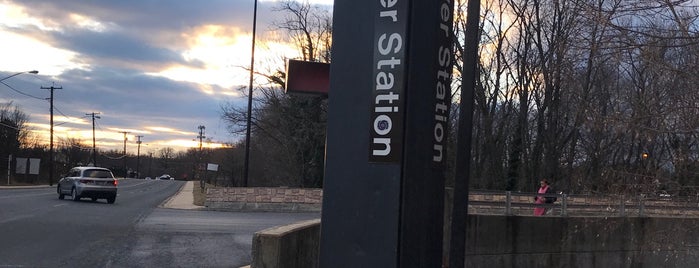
(183, 199)
(25, 186)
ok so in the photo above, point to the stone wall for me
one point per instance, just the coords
(263, 199)
(488, 203)
(291, 246)
(501, 241)
(514, 241)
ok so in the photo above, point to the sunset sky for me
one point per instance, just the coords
(158, 69)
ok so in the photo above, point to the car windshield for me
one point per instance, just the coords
(97, 173)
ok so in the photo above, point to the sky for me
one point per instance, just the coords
(156, 69)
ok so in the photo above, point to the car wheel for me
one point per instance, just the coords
(60, 195)
(111, 200)
(74, 194)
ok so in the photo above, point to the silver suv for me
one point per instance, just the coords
(92, 182)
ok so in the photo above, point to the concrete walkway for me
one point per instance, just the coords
(183, 199)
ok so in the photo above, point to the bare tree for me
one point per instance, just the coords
(287, 147)
(13, 128)
(588, 93)
(73, 152)
(13, 131)
(308, 27)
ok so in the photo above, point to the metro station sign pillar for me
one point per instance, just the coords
(390, 80)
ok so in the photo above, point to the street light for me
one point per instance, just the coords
(246, 168)
(28, 72)
(9, 158)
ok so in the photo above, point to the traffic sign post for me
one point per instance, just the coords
(390, 82)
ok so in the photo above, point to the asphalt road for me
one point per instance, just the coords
(38, 230)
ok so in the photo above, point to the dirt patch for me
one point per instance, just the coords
(199, 194)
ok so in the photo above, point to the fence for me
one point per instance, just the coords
(518, 203)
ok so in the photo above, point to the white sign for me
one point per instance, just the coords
(34, 166)
(212, 167)
(21, 165)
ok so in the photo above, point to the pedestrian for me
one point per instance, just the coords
(540, 199)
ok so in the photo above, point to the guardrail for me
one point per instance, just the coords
(522, 203)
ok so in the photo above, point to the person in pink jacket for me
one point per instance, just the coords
(540, 199)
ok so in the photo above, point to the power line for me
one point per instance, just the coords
(64, 115)
(114, 158)
(99, 126)
(39, 98)
(6, 125)
(20, 92)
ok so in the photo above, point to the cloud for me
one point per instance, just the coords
(118, 47)
(158, 68)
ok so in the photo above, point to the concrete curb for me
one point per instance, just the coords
(262, 207)
(26, 186)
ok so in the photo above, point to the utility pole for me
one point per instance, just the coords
(150, 163)
(138, 157)
(126, 170)
(94, 148)
(52, 88)
(9, 167)
(201, 138)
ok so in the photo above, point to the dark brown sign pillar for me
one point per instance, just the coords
(390, 82)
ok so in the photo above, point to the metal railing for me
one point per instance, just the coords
(519, 203)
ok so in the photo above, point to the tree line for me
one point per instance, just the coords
(287, 146)
(17, 141)
(594, 95)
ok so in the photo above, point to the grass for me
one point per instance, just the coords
(199, 194)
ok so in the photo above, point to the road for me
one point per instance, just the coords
(38, 230)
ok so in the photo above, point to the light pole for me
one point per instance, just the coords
(459, 208)
(27, 72)
(246, 168)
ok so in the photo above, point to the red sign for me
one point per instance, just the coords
(307, 77)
